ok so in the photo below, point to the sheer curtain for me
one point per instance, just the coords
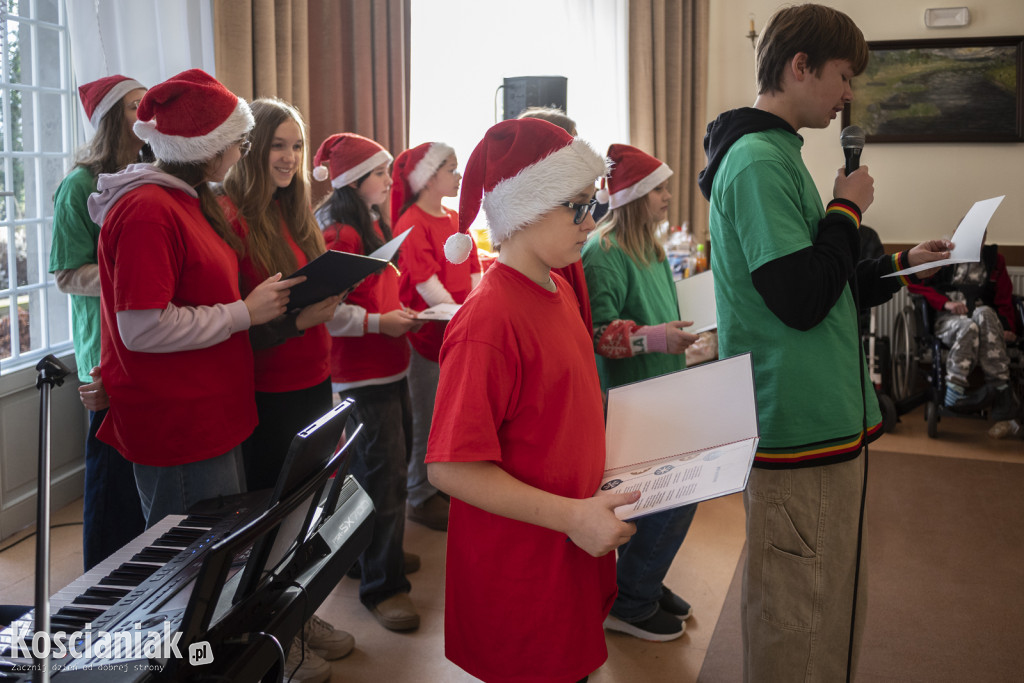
(462, 49)
(148, 40)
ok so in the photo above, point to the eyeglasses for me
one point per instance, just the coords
(581, 209)
(244, 146)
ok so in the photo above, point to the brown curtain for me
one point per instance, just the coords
(359, 62)
(668, 61)
(262, 49)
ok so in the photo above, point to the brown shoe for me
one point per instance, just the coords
(397, 613)
(433, 513)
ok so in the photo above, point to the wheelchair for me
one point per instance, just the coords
(918, 359)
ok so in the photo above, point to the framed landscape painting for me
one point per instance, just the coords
(945, 90)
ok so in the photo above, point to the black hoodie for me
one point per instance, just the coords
(802, 287)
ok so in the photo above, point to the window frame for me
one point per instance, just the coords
(39, 228)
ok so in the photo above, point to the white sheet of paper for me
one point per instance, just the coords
(708, 411)
(968, 237)
(387, 250)
(696, 296)
(687, 479)
(439, 312)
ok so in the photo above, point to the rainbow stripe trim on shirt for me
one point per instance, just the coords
(820, 453)
(900, 260)
(844, 208)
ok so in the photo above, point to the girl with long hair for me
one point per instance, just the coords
(423, 176)
(637, 335)
(176, 360)
(267, 201)
(111, 511)
(372, 369)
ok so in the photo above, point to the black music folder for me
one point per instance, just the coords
(333, 272)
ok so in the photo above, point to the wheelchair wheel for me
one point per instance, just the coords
(889, 414)
(931, 412)
(903, 354)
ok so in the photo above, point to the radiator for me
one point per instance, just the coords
(887, 312)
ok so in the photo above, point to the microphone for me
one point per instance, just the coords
(852, 140)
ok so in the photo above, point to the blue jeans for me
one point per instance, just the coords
(111, 510)
(378, 461)
(173, 490)
(645, 559)
(423, 377)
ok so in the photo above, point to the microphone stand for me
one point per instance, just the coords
(51, 374)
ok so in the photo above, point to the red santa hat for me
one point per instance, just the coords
(347, 157)
(522, 169)
(634, 173)
(412, 171)
(100, 95)
(191, 117)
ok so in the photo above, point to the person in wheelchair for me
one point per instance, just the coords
(976, 320)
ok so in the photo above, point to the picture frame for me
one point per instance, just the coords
(941, 90)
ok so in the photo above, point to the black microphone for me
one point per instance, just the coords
(852, 140)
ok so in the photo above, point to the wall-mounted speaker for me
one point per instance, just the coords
(533, 91)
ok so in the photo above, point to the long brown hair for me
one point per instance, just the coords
(634, 229)
(112, 147)
(251, 189)
(344, 206)
(194, 173)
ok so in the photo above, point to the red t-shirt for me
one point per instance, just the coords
(519, 387)
(421, 257)
(372, 356)
(300, 362)
(168, 409)
(573, 273)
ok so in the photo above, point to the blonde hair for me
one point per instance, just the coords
(252, 190)
(635, 231)
(551, 115)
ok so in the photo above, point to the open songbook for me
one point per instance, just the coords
(333, 272)
(696, 295)
(683, 437)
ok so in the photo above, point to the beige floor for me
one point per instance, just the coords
(701, 573)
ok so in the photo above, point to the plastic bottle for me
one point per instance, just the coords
(677, 249)
(700, 262)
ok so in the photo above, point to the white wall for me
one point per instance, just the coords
(921, 190)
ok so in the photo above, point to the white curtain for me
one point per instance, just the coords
(148, 40)
(462, 49)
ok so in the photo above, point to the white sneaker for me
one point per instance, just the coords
(327, 641)
(302, 665)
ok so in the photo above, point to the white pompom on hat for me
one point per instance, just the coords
(412, 171)
(522, 169)
(191, 118)
(347, 157)
(634, 173)
(99, 96)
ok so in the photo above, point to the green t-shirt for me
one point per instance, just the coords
(764, 205)
(622, 290)
(75, 238)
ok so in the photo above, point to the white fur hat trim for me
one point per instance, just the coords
(539, 187)
(429, 165)
(640, 188)
(180, 149)
(362, 168)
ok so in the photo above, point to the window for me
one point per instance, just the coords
(38, 131)
(457, 66)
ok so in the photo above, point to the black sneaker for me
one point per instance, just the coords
(674, 605)
(659, 628)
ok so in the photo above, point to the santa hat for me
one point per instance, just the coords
(634, 173)
(100, 95)
(412, 171)
(347, 157)
(522, 169)
(191, 117)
